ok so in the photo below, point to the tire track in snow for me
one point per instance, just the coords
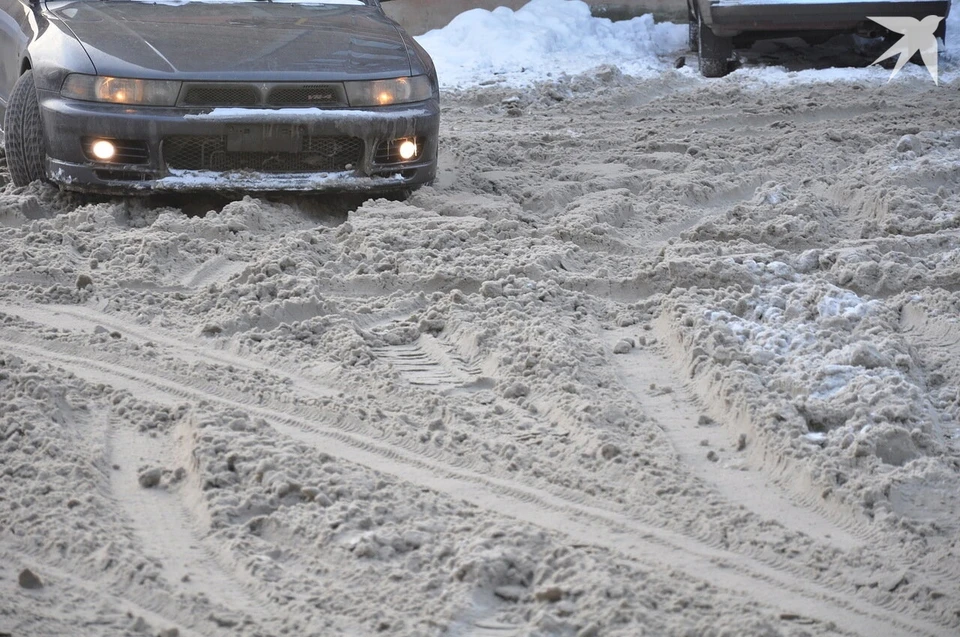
(200, 348)
(190, 350)
(429, 364)
(582, 522)
(781, 468)
(97, 600)
(639, 371)
(215, 270)
(160, 520)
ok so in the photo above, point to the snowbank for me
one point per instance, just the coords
(544, 39)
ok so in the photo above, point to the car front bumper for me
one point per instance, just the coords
(69, 123)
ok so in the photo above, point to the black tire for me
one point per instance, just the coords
(23, 129)
(714, 51)
(713, 67)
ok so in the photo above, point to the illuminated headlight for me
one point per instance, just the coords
(120, 90)
(401, 90)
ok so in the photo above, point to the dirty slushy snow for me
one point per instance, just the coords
(655, 355)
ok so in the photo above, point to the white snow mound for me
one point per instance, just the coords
(546, 38)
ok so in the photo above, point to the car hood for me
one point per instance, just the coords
(244, 40)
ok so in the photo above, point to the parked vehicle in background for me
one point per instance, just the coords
(128, 95)
(719, 26)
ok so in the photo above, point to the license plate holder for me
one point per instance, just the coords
(264, 138)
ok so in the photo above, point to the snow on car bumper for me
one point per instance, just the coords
(69, 123)
(85, 179)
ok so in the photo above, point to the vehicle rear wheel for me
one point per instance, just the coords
(715, 51)
(23, 128)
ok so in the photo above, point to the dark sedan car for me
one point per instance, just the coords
(128, 95)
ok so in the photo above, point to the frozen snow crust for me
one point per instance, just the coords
(654, 356)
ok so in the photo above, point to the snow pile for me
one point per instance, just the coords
(816, 349)
(545, 39)
(783, 327)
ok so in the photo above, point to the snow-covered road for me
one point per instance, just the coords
(655, 355)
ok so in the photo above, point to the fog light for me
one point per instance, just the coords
(408, 149)
(102, 149)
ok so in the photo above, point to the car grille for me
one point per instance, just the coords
(306, 95)
(330, 94)
(221, 95)
(317, 154)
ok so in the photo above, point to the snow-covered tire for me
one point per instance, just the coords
(23, 128)
(713, 67)
(714, 51)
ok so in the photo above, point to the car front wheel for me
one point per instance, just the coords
(23, 129)
(715, 51)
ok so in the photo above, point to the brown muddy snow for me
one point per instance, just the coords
(660, 357)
